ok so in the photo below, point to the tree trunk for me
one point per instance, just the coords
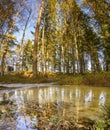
(35, 58)
(67, 62)
(22, 40)
(3, 63)
(59, 64)
(43, 51)
(76, 53)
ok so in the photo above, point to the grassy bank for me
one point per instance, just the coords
(22, 77)
(94, 79)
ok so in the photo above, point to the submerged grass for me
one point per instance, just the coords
(94, 79)
(49, 116)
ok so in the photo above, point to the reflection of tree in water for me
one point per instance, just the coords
(50, 116)
(80, 102)
(50, 107)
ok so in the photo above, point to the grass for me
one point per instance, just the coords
(22, 77)
(93, 79)
(104, 122)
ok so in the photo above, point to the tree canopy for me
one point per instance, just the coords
(67, 36)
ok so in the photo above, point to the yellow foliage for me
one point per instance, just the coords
(9, 36)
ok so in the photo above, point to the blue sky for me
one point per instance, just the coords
(34, 5)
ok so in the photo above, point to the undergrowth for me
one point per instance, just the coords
(93, 79)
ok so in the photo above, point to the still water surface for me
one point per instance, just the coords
(81, 101)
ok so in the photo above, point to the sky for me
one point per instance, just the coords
(34, 5)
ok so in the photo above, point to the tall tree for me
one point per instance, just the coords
(36, 41)
(6, 23)
(99, 13)
(23, 36)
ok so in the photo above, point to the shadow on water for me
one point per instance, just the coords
(40, 107)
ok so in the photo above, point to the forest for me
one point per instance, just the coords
(54, 64)
(55, 36)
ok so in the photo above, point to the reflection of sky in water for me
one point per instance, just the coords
(88, 97)
(102, 98)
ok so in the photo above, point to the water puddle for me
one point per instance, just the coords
(39, 107)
